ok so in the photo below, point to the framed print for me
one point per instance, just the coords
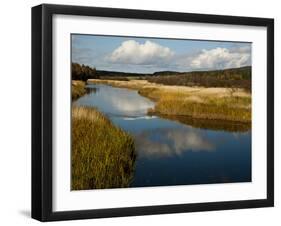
(145, 112)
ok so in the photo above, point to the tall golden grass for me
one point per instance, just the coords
(103, 155)
(197, 102)
(77, 89)
(209, 108)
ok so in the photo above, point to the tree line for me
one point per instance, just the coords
(233, 78)
(230, 73)
(83, 72)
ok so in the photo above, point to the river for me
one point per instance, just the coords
(170, 152)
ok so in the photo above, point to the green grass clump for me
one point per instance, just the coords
(103, 155)
(78, 89)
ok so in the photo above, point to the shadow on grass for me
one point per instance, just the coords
(219, 125)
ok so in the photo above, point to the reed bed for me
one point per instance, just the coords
(78, 89)
(103, 155)
(223, 108)
(196, 102)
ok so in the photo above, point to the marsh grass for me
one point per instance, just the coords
(103, 155)
(223, 108)
(78, 89)
(197, 102)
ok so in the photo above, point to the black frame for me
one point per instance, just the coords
(42, 111)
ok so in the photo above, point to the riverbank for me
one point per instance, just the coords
(196, 102)
(96, 162)
(78, 89)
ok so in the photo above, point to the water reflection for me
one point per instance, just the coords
(168, 142)
(90, 89)
(175, 150)
(116, 101)
(218, 125)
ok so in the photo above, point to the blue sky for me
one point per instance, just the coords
(147, 55)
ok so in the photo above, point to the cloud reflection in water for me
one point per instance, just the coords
(170, 142)
(116, 101)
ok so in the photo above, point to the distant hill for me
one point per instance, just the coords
(86, 71)
(167, 73)
(232, 77)
(245, 72)
(119, 74)
(242, 72)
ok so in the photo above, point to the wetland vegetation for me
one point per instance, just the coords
(159, 112)
(197, 102)
(103, 155)
(78, 89)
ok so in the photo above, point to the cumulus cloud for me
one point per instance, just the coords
(133, 52)
(219, 58)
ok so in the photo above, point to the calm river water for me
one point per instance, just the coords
(169, 152)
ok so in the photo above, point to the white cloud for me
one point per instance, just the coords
(148, 53)
(220, 58)
(242, 49)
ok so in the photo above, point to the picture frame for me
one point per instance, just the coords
(43, 109)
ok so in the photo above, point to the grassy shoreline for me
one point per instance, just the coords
(78, 89)
(97, 163)
(197, 102)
